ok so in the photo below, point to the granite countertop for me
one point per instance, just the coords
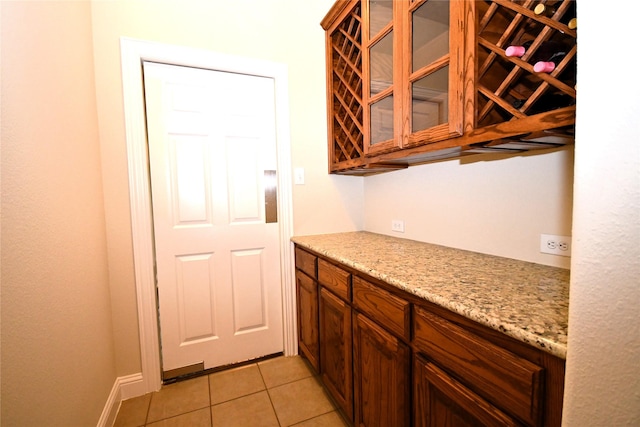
(527, 301)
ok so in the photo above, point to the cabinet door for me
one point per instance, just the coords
(432, 57)
(381, 69)
(498, 375)
(381, 371)
(441, 401)
(335, 349)
(307, 292)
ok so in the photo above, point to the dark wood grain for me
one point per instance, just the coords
(336, 350)
(335, 278)
(499, 376)
(381, 371)
(308, 337)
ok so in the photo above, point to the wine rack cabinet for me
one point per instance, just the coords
(344, 82)
(506, 105)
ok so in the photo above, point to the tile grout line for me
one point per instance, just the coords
(146, 416)
(210, 401)
(269, 395)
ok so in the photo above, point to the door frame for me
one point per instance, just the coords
(133, 52)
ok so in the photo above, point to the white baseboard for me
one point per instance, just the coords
(123, 388)
(110, 410)
(131, 386)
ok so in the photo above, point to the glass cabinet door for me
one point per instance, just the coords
(432, 69)
(379, 76)
(413, 85)
(430, 43)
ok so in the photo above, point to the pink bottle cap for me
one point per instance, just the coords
(515, 51)
(544, 67)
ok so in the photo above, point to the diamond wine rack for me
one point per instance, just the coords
(509, 87)
(346, 56)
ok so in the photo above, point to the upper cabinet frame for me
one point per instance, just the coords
(412, 81)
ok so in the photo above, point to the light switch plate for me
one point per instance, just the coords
(298, 176)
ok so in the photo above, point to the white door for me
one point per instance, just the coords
(212, 152)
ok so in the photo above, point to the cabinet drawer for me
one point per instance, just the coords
(382, 306)
(335, 279)
(506, 380)
(306, 262)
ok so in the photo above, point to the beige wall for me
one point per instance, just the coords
(58, 362)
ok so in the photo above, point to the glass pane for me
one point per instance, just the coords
(381, 64)
(382, 120)
(430, 100)
(430, 25)
(380, 14)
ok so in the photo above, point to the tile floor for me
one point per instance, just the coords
(277, 392)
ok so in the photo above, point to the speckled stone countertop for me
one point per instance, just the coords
(526, 301)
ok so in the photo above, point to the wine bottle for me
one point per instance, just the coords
(550, 64)
(548, 102)
(568, 16)
(543, 10)
(547, 51)
(517, 50)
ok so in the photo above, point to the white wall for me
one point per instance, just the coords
(603, 357)
(498, 207)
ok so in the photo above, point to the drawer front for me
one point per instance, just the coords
(335, 279)
(306, 262)
(508, 381)
(382, 306)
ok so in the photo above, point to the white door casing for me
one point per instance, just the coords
(212, 152)
(133, 52)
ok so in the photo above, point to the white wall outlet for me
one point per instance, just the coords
(397, 225)
(555, 245)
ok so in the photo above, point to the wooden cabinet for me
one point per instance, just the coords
(336, 349)
(381, 371)
(389, 358)
(381, 357)
(411, 82)
(308, 338)
(510, 382)
(441, 401)
(307, 298)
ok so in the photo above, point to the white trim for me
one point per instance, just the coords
(123, 388)
(111, 407)
(133, 52)
(131, 386)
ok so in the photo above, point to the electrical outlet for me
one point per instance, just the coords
(397, 225)
(555, 245)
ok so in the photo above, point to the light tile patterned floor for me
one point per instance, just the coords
(277, 392)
